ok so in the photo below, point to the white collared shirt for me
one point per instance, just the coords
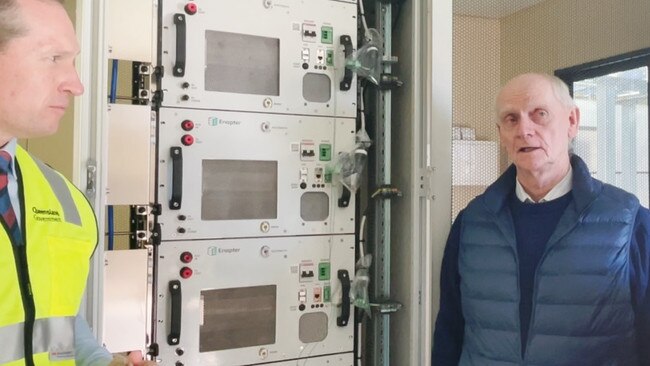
(563, 187)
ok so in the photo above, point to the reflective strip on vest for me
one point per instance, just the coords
(70, 212)
(53, 335)
(11, 338)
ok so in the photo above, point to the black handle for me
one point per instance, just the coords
(181, 31)
(344, 201)
(343, 319)
(176, 154)
(174, 336)
(346, 83)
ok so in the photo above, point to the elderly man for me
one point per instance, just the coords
(48, 230)
(548, 266)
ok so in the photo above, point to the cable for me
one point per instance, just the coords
(113, 93)
(110, 213)
(362, 109)
(363, 18)
(111, 233)
(362, 238)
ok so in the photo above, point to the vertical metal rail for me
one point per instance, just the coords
(88, 168)
(379, 330)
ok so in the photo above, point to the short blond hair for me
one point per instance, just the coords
(10, 21)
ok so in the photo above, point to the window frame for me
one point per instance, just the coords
(606, 66)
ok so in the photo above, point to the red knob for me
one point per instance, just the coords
(186, 272)
(191, 8)
(187, 140)
(187, 125)
(186, 257)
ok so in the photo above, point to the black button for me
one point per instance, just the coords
(303, 185)
(305, 66)
(301, 307)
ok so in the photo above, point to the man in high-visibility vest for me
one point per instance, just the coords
(49, 231)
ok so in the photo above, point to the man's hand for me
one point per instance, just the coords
(133, 359)
(136, 359)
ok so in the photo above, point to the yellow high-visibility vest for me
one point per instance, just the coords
(42, 281)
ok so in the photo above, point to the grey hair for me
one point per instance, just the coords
(560, 89)
(10, 21)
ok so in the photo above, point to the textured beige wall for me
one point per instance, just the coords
(552, 35)
(557, 34)
(57, 150)
(476, 70)
(476, 80)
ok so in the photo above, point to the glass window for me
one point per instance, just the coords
(613, 133)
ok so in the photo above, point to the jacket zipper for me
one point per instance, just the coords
(535, 286)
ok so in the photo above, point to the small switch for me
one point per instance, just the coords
(307, 151)
(302, 295)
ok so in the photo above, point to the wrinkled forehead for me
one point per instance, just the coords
(524, 94)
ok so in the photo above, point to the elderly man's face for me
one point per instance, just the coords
(38, 75)
(535, 127)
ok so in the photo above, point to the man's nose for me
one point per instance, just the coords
(526, 126)
(71, 83)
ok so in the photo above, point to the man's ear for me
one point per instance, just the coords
(574, 121)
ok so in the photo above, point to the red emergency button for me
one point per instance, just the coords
(187, 125)
(186, 272)
(191, 8)
(186, 257)
(187, 140)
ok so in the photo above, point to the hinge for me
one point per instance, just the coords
(426, 182)
(155, 234)
(91, 179)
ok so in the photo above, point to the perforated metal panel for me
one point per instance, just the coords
(475, 147)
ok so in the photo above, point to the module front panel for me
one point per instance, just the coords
(279, 56)
(247, 301)
(230, 175)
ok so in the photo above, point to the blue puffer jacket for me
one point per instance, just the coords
(582, 312)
